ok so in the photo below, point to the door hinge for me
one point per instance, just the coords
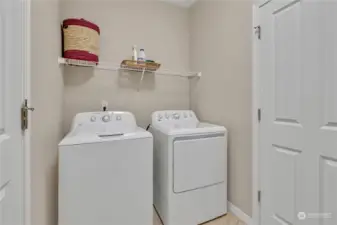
(259, 115)
(259, 196)
(258, 31)
(24, 114)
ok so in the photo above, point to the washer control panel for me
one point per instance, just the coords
(105, 117)
(105, 122)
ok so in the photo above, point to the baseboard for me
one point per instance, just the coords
(240, 214)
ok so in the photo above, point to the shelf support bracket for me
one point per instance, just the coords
(141, 80)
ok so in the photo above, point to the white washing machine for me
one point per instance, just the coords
(106, 171)
(190, 168)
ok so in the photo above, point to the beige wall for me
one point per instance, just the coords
(160, 28)
(47, 98)
(221, 49)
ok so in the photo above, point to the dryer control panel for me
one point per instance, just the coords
(175, 118)
(105, 122)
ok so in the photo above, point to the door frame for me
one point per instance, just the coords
(26, 43)
(256, 105)
(256, 175)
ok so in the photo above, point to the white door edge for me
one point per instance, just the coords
(27, 92)
(255, 122)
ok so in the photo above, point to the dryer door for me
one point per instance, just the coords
(199, 162)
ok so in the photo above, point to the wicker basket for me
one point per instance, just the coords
(80, 40)
(140, 66)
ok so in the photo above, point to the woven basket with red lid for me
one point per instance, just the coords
(80, 40)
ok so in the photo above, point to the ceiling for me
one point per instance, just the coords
(181, 3)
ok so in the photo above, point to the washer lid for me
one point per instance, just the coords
(103, 126)
(75, 138)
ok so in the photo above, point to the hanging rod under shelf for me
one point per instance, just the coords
(114, 67)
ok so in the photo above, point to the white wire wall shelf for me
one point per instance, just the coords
(115, 67)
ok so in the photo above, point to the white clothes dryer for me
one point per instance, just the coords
(190, 168)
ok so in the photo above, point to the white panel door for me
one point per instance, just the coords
(11, 98)
(299, 112)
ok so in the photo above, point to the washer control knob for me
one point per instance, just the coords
(118, 117)
(167, 116)
(106, 118)
(93, 119)
(176, 116)
(160, 117)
